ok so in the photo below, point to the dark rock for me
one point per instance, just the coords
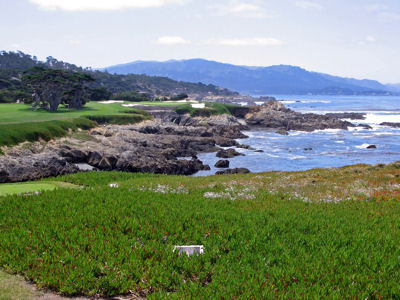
(365, 126)
(282, 132)
(372, 147)
(222, 164)
(233, 171)
(243, 146)
(275, 115)
(308, 149)
(395, 125)
(229, 153)
(346, 115)
(259, 151)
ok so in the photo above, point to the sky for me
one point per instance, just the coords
(351, 38)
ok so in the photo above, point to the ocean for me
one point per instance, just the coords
(329, 148)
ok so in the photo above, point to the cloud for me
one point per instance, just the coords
(102, 5)
(258, 41)
(309, 5)
(389, 16)
(376, 7)
(370, 39)
(243, 9)
(171, 41)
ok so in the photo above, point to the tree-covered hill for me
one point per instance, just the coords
(13, 64)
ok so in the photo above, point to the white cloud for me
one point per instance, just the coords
(171, 41)
(90, 5)
(376, 7)
(370, 39)
(258, 41)
(309, 5)
(243, 9)
(389, 16)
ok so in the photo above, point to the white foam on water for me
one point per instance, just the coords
(377, 118)
(363, 146)
(243, 103)
(287, 101)
(259, 103)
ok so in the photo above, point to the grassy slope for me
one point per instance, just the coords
(18, 123)
(20, 113)
(263, 237)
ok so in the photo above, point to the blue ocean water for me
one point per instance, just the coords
(330, 148)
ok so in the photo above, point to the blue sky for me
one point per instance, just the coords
(353, 38)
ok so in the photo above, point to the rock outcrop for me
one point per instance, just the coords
(275, 115)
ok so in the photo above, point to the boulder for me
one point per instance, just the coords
(372, 147)
(222, 164)
(229, 153)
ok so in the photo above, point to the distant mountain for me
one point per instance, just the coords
(280, 79)
(13, 64)
(393, 87)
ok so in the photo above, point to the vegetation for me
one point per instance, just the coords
(54, 87)
(99, 94)
(13, 64)
(211, 108)
(32, 187)
(14, 288)
(131, 96)
(261, 240)
(119, 119)
(13, 134)
(178, 97)
(20, 113)
(19, 123)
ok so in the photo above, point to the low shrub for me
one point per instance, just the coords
(211, 108)
(125, 119)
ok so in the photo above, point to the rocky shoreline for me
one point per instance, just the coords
(160, 146)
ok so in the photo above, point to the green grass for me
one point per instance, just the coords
(14, 288)
(13, 134)
(18, 123)
(31, 187)
(20, 113)
(263, 237)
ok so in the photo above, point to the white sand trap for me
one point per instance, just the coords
(111, 101)
(130, 105)
(199, 105)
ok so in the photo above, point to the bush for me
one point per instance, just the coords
(99, 94)
(211, 108)
(131, 96)
(118, 119)
(12, 95)
(178, 97)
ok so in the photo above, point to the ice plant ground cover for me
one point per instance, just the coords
(325, 233)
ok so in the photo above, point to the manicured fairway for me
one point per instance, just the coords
(318, 234)
(32, 187)
(21, 113)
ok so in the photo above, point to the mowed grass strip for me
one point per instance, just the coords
(111, 240)
(32, 187)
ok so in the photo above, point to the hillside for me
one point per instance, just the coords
(13, 64)
(280, 79)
